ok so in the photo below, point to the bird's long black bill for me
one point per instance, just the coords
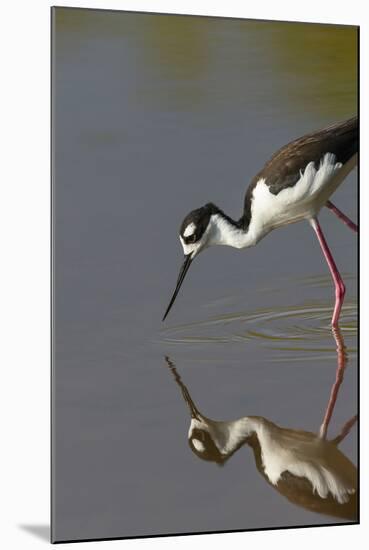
(186, 394)
(186, 264)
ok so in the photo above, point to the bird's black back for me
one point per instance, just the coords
(283, 169)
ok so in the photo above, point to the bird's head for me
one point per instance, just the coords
(211, 440)
(195, 235)
(203, 446)
(194, 232)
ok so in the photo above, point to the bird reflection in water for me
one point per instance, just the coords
(307, 468)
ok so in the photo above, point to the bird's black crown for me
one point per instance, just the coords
(200, 219)
(210, 451)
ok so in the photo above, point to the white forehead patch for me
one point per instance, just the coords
(199, 446)
(190, 230)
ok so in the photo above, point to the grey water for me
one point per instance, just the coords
(154, 116)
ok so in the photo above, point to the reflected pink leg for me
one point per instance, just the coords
(341, 365)
(346, 428)
(338, 282)
(342, 216)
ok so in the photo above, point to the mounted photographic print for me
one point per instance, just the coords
(205, 261)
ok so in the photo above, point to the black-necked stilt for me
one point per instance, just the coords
(293, 185)
(304, 467)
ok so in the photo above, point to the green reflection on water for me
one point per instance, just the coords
(323, 61)
(193, 61)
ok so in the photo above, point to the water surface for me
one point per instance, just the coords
(155, 116)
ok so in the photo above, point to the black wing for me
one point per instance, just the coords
(283, 169)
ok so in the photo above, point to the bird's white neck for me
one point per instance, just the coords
(223, 231)
(227, 435)
(237, 431)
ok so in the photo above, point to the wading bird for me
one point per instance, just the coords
(304, 467)
(293, 185)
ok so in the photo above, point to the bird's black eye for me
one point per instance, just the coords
(190, 239)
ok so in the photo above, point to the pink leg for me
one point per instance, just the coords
(341, 365)
(342, 216)
(338, 282)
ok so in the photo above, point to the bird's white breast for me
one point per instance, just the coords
(301, 461)
(301, 201)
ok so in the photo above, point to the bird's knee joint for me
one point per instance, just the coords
(341, 290)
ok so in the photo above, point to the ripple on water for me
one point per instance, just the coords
(305, 327)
